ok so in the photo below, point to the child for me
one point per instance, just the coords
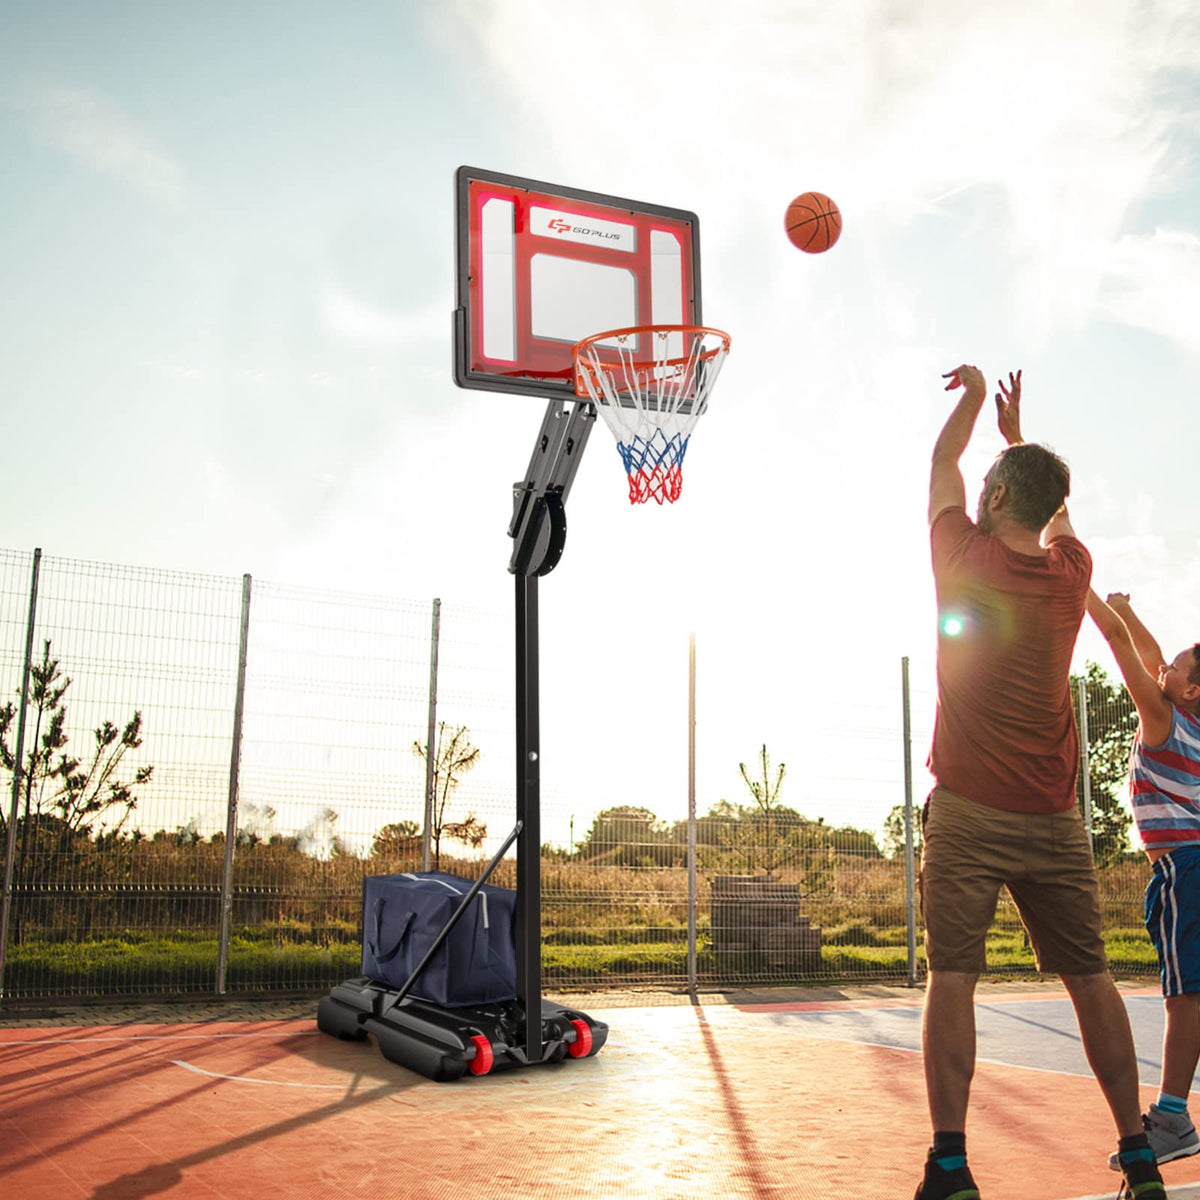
(1164, 785)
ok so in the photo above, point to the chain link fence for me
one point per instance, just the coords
(210, 766)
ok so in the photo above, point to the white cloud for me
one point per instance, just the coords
(1058, 118)
(92, 129)
(1153, 283)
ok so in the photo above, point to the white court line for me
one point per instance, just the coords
(150, 1037)
(187, 1066)
(844, 1006)
(994, 1062)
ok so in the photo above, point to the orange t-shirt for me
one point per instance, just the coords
(1007, 623)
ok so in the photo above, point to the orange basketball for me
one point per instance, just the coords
(813, 222)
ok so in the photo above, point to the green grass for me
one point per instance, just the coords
(182, 961)
(186, 960)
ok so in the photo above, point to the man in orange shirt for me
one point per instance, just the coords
(1011, 591)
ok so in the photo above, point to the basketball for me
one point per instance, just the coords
(813, 222)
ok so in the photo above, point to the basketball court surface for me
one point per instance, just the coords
(752, 1097)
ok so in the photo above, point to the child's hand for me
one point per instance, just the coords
(1115, 599)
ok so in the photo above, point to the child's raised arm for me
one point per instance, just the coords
(1154, 709)
(1143, 641)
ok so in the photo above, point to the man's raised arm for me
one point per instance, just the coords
(1058, 526)
(946, 487)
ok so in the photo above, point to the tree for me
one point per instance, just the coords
(627, 835)
(851, 842)
(397, 840)
(453, 757)
(1112, 725)
(712, 829)
(814, 850)
(766, 797)
(74, 792)
(62, 798)
(780, 836)
(893, 832)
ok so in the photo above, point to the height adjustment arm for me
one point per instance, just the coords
(539, 521)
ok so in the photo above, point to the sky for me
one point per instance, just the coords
(226, 237)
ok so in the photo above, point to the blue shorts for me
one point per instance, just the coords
(1173, 918)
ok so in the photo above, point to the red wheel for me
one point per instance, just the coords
(582, 1045)
(481, 1064)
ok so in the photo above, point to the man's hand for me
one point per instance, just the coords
(968, 377)
(946, 488)
(1117, 599)
(1008, 409)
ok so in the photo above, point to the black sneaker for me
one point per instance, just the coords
(1142, 1181)
(953, 1185)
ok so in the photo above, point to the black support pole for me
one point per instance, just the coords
(539, 532)
(529, 840)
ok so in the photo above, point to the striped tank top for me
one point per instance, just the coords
(1164, 785)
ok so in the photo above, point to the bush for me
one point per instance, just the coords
(856, 932)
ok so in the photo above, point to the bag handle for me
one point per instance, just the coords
(377, 920)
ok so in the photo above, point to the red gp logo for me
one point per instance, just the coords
(560, 226)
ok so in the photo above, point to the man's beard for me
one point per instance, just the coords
(983, 518)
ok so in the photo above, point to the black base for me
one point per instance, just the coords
(444, 1044)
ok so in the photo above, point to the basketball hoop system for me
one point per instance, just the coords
(651, 384)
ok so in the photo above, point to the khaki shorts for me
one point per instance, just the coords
(970, 851)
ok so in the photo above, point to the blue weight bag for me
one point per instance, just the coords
(403, 914)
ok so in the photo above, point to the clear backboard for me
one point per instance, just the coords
(541, 267)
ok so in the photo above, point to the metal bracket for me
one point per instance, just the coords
(539, 521)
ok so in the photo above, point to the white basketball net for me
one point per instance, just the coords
(651, 396)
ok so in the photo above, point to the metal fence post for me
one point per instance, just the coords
(431, 735)
(1085, 768)
(235, 762)
(910, 888)
(10, 849)
(691, 826)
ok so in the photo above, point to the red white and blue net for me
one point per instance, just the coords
(651, 385)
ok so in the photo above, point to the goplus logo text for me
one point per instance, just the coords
(561, 226)
(565, 226)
